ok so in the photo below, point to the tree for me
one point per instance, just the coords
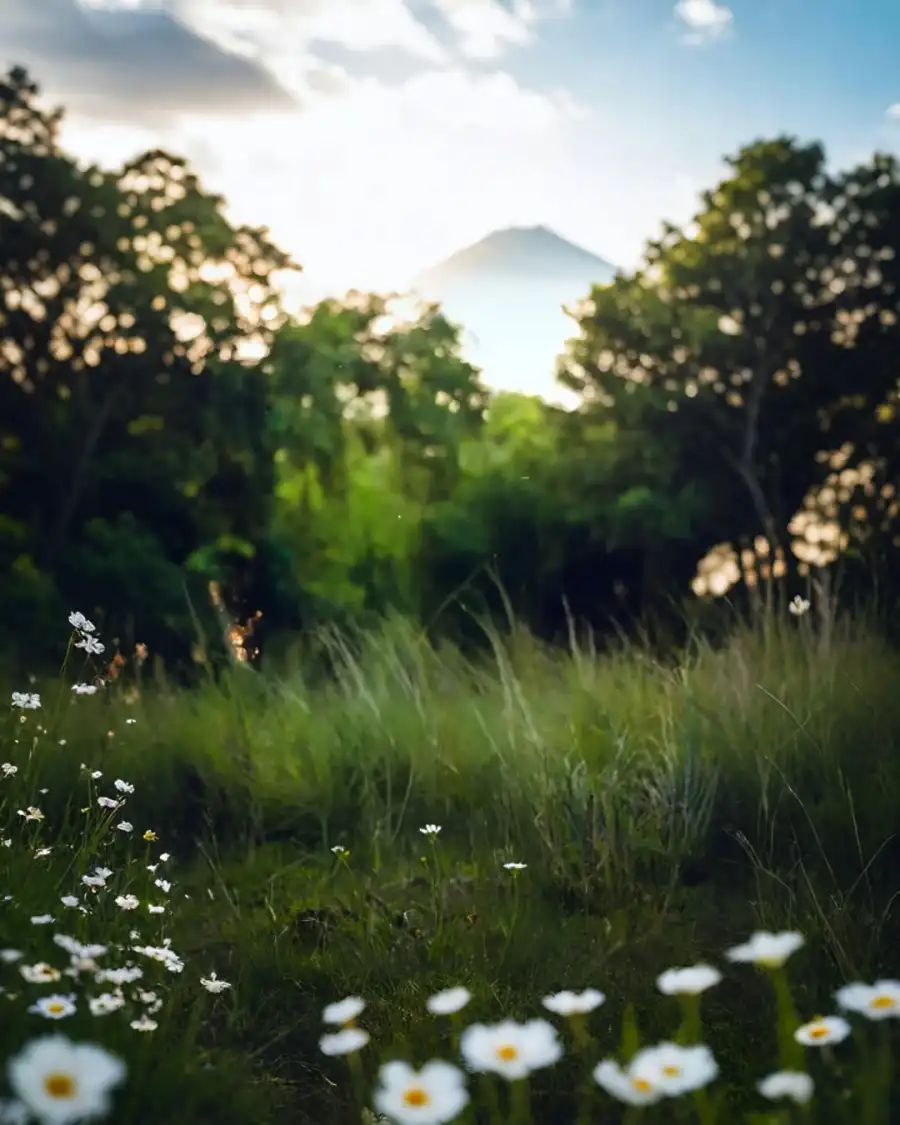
(130, 306)
(759, 335)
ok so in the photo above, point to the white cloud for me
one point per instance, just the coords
(275, 27)
(706, 19)
(893, 112)
(370, 187)
(485, 28)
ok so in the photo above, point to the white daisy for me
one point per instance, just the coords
(792, 1084)
(689, 982)
(430, 1096)
(105, 1003)
(213, 984)
(510, 1049)
(768, 950)
(822, 1032)
(633, 1089)
(40, 973)
(344, 1042)
(567, 1003)
(449, 1001)
(674, 1069)
(878, 1001)
(61, 1082)
(54, 1007)
(128, 902)
(343, 1012)
(431, 830)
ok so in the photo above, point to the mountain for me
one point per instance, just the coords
(507, 291)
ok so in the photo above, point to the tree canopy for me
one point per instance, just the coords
(177, 448)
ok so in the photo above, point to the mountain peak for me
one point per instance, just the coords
(513, 252)
(507, 291)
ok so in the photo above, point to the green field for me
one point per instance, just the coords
(664, 810)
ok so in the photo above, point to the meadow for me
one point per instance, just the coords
(198, 882)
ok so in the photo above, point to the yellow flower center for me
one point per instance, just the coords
(671, 1071)
(55, 1009)
(641, 1085)
(883, 1001)
(507, 1053)
(416, 1096)
(60, 1086)
(818, 1032)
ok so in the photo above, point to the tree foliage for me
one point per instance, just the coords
(170, 436)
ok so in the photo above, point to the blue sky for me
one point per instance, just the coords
(377, 136)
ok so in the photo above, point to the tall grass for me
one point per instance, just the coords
(662, 808)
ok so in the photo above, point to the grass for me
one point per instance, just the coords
(664, 811)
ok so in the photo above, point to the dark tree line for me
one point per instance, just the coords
(170, 438)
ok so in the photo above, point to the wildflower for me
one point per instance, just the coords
(7, 956)
(340, 852)
(84, 689)
(144, 1023)
(70, 900)
(344, 1012)
(125, 826)
(40, 973)
(163, 955)
(26, 700)
(41, 853)
(128, 902)
(123, 786)
(823, 1032)
(510, 1049)
(344, 1042)
(213, 984)
(449, 1001)
(41, 919)
(106, 1003)
(108, 802)
(90, 645)
(7, 769)
(150, 836)
(74, 947)
(792, 1084)
(515, 866)
(164, 886)
(768, 950)
(798, 606)
(164, 857)
(673, 1069)
(633, 1089)
(126, 975)
(80, 622)
(130, 722)
(431, 830)
(31, 813)
(61, 1082)
(54, 1007)
(690, 982)
(156, 909)
(573, 1003)
(876, 1001)
(7, 842)
(430, 1096)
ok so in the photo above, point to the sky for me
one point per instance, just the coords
(376, 137)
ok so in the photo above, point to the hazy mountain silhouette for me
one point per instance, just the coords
(507, 291)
